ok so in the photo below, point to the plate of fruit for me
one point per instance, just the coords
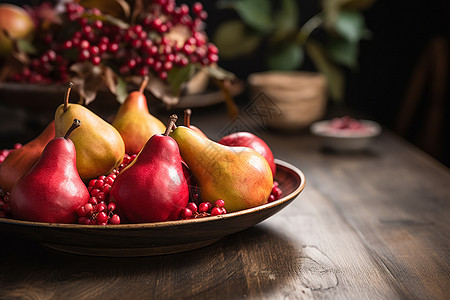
(74, 190)
(346, 133)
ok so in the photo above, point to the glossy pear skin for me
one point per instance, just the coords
(135, 123)
(153, 188)
(238, 175)
(247, 139)
(52, 190)
(99, 146)
(21, 160)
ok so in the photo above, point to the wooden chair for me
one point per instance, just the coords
(424, 100)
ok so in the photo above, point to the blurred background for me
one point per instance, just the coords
(397, 74)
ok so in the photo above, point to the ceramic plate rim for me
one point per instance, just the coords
(315, 129)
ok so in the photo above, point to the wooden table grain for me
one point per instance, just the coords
(369, 225)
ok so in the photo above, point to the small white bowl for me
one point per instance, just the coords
(346, 139)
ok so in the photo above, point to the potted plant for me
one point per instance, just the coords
(329, 39)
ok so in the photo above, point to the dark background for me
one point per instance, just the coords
(401, 32)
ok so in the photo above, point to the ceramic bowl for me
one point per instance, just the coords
(344, 139)
(128, 240)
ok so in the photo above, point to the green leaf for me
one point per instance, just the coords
(350, 25)
(285, 57)
(179, 75)
(233, 39)
(343, 52)
(255, 13)
(287, 16)
(121, 90)
(335, 77)
(26, 46)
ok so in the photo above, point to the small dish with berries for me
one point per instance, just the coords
(346, 133)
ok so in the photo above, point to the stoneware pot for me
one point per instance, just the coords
(297, 98)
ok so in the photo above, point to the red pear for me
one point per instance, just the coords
(153, 188)
(52, 190)
(135, 123)
(20, 161)
(247, 139)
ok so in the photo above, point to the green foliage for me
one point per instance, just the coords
(285, 41)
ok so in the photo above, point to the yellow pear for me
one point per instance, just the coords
(98, 144)
(239, 175)
(135, 123)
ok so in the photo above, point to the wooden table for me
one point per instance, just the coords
(371, 225)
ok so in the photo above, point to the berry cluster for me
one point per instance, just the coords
(164, 36)
(99, 211)
(276, 192)
(5, 209)
(204, 209)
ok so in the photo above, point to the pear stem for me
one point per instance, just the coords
(144, 84)
(76, 123)
(187, 117)
(66, 96)
(173, 119)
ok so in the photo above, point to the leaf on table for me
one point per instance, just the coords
(335, 77)
(255, 13)
(234, 39)
(285, 57)
(87, 81)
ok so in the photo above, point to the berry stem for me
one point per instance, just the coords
(144, 84)
(173, 119)
(76, 123)
(66, 96)
(187, 117)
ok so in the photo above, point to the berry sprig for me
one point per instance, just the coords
(99, 211)
(163, 36)
(204, 209)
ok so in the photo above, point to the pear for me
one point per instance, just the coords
(239, 175)
(20, 161)
(187, 122)
(52, 190)
(247, 139)
(100, 147)
(153, 188)
(135, 123)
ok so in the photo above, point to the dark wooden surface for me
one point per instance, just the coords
(369, 225)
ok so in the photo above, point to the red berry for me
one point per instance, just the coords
(114, 220)
(220, 203)
(102, 217)
(203, 207)
(186, 213)
(192, 206)
(215, 211)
